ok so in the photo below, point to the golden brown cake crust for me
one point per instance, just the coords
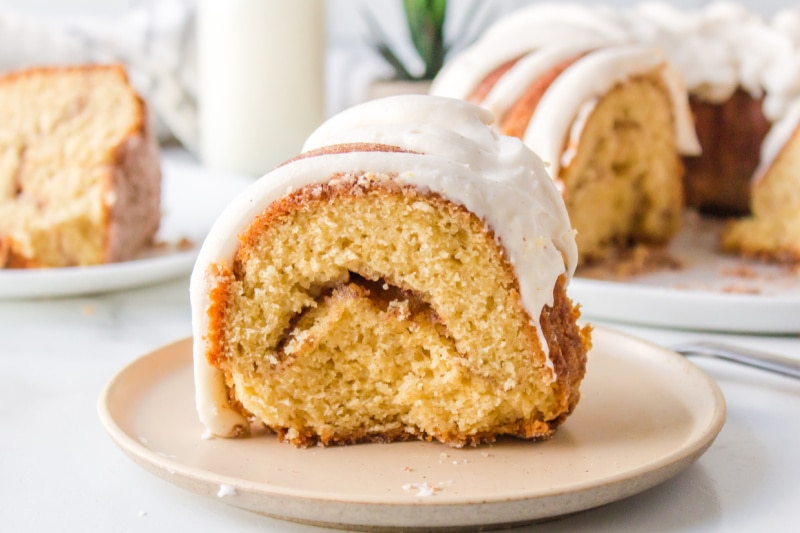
(479, 93)
(10, 258)
(516, 120)
(345, 148)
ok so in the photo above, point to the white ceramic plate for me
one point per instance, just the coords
(686, 309)
(645, 414)
(192, 198)
(710, 291)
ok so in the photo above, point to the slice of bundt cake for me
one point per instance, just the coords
(612, 123)
(79, 169)
(617, 151)
(403, 278)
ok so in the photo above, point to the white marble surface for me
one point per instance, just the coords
(61, 472)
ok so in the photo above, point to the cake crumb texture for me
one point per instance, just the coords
(361, 310)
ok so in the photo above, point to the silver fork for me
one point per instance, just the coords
(754, 358)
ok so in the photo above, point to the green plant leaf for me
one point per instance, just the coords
(400, 70)
(426, 25)
(380, 42)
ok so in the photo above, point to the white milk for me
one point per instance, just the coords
(261, 80)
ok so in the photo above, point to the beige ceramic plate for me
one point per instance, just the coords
(646, 413)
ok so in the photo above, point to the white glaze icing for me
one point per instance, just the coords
(573, 140)
(457, 155)
(517, 34)
(725, 46)
(512, 37)
(513, 84)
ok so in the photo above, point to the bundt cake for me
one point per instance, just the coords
(741, 75)
(403, 278)
(79, 168)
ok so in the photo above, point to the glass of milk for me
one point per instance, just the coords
(260, 80)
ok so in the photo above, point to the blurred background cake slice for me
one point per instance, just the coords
(80, 174)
